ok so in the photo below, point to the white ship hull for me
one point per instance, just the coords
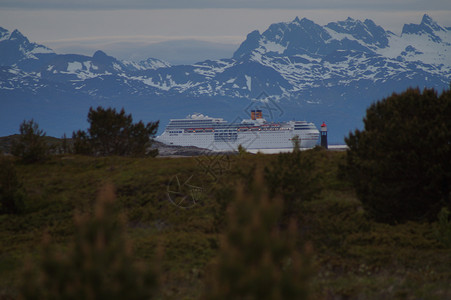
(217, 135)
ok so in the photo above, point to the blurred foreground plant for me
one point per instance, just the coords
(11, 192)
(258, 260)
(99, 264)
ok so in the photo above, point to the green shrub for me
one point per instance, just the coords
(400, 163)
(328, 222)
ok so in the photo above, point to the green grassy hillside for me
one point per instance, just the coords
(354, 257)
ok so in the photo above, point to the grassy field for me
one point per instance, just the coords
(354, 257)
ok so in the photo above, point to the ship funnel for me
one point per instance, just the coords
(252, 114)
(259, 114)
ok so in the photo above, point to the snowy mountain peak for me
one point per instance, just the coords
(251, 42)
(17, 50)
(429, 22)
(427, 27)
(307, 23)
(305, 37)
(4, 34)
(17, 35)
(3, 31)
(367, 32)
(99, 54)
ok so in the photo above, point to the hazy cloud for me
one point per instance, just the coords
(179, 50)
(202, 4)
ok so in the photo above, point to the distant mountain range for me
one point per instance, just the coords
(295, 69)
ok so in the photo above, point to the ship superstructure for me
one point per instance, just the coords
(254, 134)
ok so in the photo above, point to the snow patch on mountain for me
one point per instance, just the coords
(74, 66)
(147, 64)
(419, 47)
(271, 46)
(248, 82)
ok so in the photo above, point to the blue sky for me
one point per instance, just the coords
(136, 29)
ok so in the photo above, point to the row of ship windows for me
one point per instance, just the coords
(227, 134)
(201, 124)
(234, 136)
(303, 127)
(194, 123)
(218, 132)
(198, 130)
(228, 130)
(191, 121)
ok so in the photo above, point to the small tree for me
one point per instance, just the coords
(296, 140)
(109, 130)
(400, 163)
(99, 264)
(241, 150)
(30, 145)
(11, 193)
(139, 139)
(113, 133)
(258, 260)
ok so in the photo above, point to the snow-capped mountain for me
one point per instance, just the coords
(16, 50)
(344, 53)
(309, 71)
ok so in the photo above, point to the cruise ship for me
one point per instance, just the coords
(254, 134)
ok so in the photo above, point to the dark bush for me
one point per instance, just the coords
(400, 163)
